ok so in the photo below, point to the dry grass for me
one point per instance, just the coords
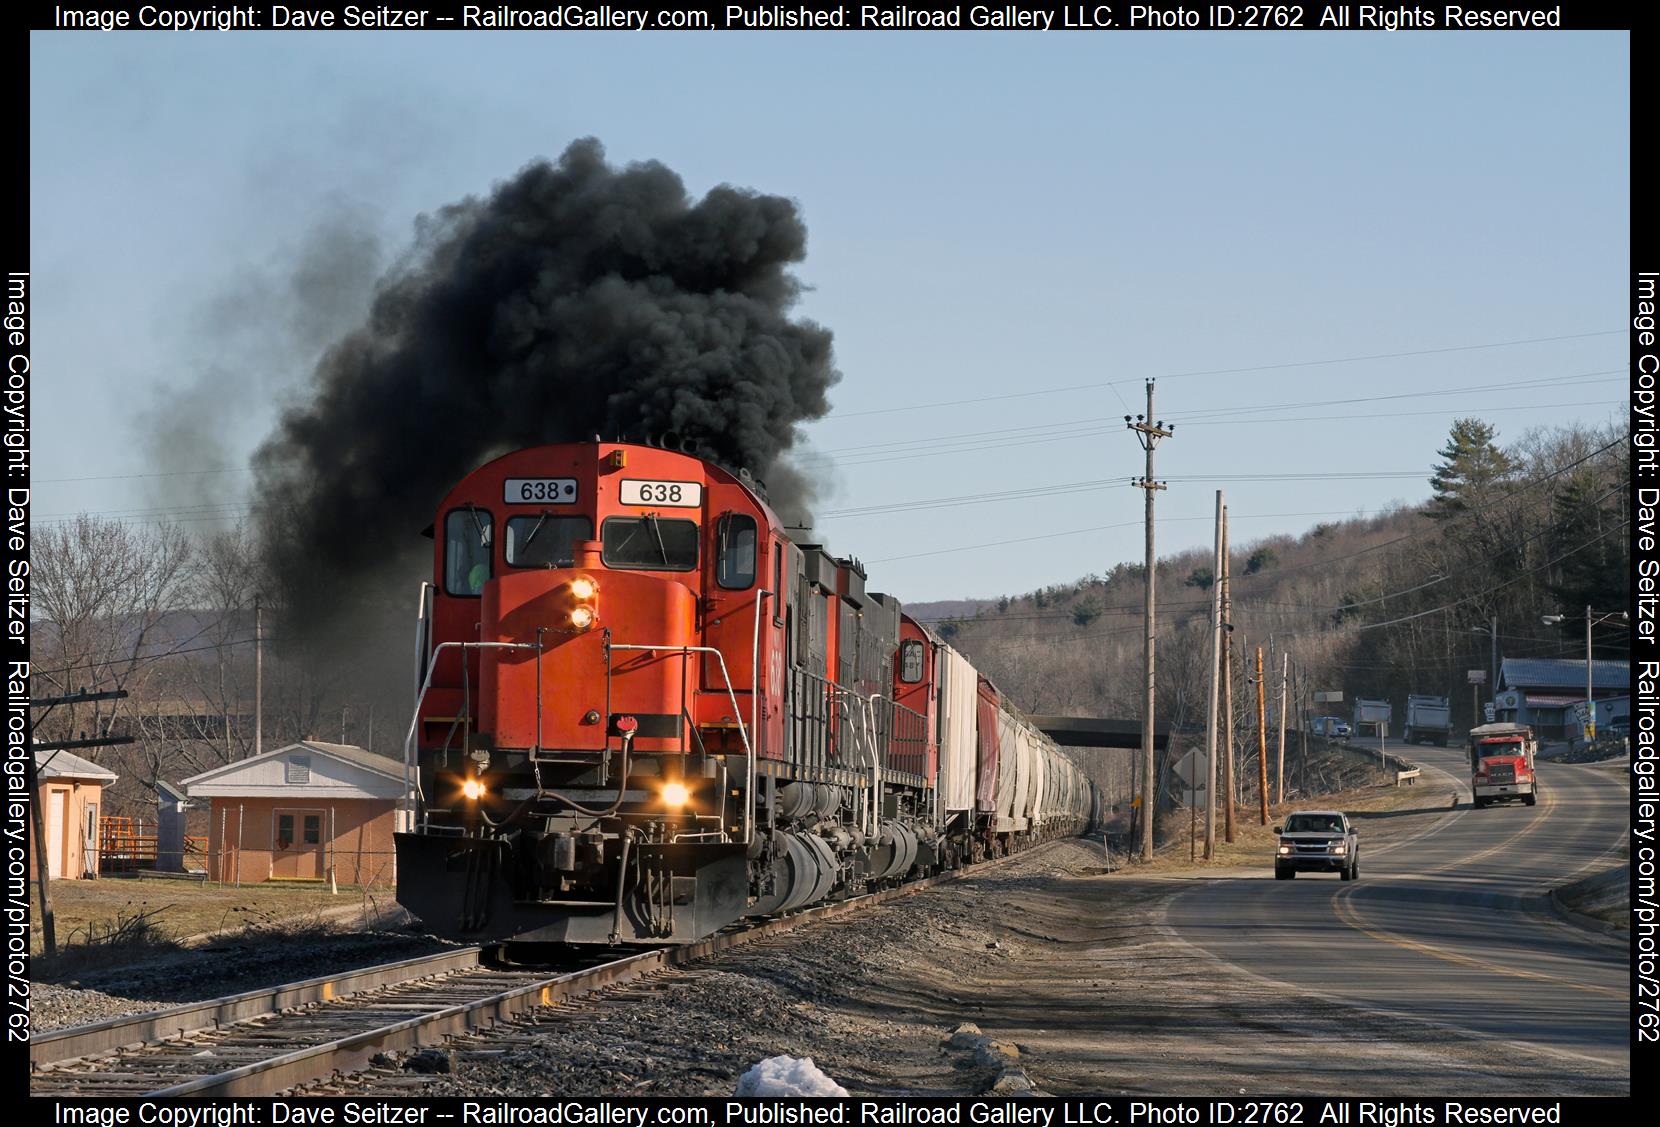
(140, 916)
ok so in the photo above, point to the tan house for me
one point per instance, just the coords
(71, 793)
(299, 812)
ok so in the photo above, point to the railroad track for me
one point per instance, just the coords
(268, 1041)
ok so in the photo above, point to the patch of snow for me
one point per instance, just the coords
(787, 1076)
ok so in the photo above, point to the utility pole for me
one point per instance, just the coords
(1590, 689)
(1215, 676)
(1149, 434)
(1493, 685)
(1227, 689)
(1285, 672)
(43, 847)
(259, 677)
(1262, 740)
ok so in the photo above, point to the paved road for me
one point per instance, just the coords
(1448, 926)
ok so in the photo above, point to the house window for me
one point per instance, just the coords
(285, 831)
(299, 769)
(313, 829)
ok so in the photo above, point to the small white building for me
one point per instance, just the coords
(71, 792)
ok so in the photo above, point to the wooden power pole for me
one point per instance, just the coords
(36, 765)
(259, 678)
(1215, 676)
(1285, 672)
(1149, 434)
(1262, 741)
(1227, 690)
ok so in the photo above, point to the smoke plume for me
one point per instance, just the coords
(577, 299)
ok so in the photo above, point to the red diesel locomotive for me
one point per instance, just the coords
(644, 712)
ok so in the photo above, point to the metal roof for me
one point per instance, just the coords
(362, 756)
(350, 753)
(1563, 673)
(168, 790)
(62, 765)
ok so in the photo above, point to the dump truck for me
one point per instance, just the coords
(1428, 720)
(1371, 717)
(1501, 764)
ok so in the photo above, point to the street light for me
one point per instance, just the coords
(1591, 619)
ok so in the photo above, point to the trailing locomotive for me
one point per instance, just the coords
(644, 712)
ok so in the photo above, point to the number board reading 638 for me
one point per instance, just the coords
(675, 494)
(544, 490)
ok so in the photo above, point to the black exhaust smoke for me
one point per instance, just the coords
(578, 299)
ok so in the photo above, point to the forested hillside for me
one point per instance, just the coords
(1380, 606)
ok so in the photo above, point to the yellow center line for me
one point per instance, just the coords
(1346, 912)
(1548, 802)
(1349, 914)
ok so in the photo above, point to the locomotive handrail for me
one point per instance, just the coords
(409, 767)
(876, 753)
(754, 710)
(743, 731)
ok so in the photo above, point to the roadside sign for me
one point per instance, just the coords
(1335, 697)
(1477, 676)
(1488, 708)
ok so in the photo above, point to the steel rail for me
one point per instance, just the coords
(124, 1032)
(353, 1052)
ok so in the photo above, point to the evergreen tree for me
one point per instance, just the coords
(1471, 467)
(1595, 566)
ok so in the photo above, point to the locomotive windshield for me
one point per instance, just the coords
(466, 551)
(544, 540)
(649, 543)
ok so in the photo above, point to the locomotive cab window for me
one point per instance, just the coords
(544, 540)
(736, 567)
(910, 661)
(649, 543)
(467, 540)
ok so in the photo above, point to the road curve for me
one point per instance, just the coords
(1448, 926)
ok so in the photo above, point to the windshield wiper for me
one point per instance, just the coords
(658, 532)
(537, 527)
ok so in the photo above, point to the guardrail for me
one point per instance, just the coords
(1407, 777)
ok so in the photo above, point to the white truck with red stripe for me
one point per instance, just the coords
(1501, 764)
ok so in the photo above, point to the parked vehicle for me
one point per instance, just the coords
(1428, 720)
(1317, 841)
(1501, 764)
(1332, 727)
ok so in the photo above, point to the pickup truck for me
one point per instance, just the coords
(1317, 841)
(1332, 727)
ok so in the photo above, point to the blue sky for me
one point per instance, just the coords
(991, 216)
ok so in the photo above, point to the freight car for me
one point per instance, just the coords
(645, 712)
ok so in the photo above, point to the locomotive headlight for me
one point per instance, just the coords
(473, 789)
(582, 617)
(583, 588)
(675, 794)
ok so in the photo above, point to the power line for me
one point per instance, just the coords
(1229, 371)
